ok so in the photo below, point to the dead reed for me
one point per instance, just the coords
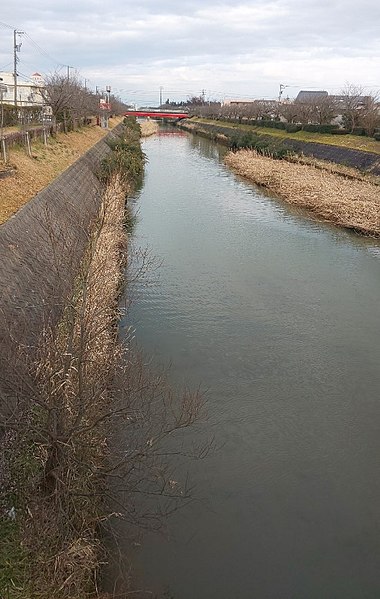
(148, 128)
(75, 368)
(348, 203)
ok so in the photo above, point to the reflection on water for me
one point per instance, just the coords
(277, 315)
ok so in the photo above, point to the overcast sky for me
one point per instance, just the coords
(228, 49)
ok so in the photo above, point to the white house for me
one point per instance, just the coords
(28, 92)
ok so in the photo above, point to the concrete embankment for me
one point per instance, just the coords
(43, 244)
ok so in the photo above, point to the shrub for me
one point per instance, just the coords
(358, 131)
(293, 128)
(376, 136)
(320, 128)
(271, 124)
(126, 157)
(340, 132)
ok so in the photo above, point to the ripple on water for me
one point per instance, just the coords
(277, 316)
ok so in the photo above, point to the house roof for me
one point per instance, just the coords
(306, 95)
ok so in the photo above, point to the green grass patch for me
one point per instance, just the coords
(13, 561)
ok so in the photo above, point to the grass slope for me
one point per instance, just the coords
(354, 142)
(33, 174)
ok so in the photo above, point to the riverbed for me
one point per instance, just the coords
(277, 317)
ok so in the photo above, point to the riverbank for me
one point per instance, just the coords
(280, 144)
(30, 175)
(338, 193)
(148, 128)
(57, 395)
(352, 204)
(353, 142)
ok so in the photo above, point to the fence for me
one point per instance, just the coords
(26, 135)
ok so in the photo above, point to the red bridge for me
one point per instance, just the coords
(159, 114)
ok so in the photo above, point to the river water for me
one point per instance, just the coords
(278, 316)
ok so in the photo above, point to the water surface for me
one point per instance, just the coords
(277, 316)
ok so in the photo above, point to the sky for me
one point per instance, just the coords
(186, 47)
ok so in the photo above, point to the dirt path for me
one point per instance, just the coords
(33, 174)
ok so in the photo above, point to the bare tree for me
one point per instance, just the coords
(304, 112)
(64, 95)
(352, 102)
(323, 110)
(71, 102)
(289, 111)
(370, 114)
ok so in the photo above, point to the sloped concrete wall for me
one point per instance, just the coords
(41, 248)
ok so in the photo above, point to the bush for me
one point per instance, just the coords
(340, 132)
(126, 157)
(376, 136)
(26, 114)
(358, 131)
(271, 124)
(262, 145)
(320, 128)
(293, 128)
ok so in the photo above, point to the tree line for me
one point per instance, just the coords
(356, 110)
(70, 101)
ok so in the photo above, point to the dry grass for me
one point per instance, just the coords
(349, 203)
(33, 174)
(74, 378)
(334, 167)
(149, 128)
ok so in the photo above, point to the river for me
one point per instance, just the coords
(277, 315)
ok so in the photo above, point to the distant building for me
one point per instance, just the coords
(310, 96)
(28, 92)
(360, 101)
(239, 102)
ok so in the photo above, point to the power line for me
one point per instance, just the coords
(43, 52)
(6, 26)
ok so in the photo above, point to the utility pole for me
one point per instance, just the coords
(108, 91)
(16, 48)
(281, 91)
(161, 92)
(68, 72)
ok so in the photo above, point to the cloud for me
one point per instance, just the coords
(231, 48)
